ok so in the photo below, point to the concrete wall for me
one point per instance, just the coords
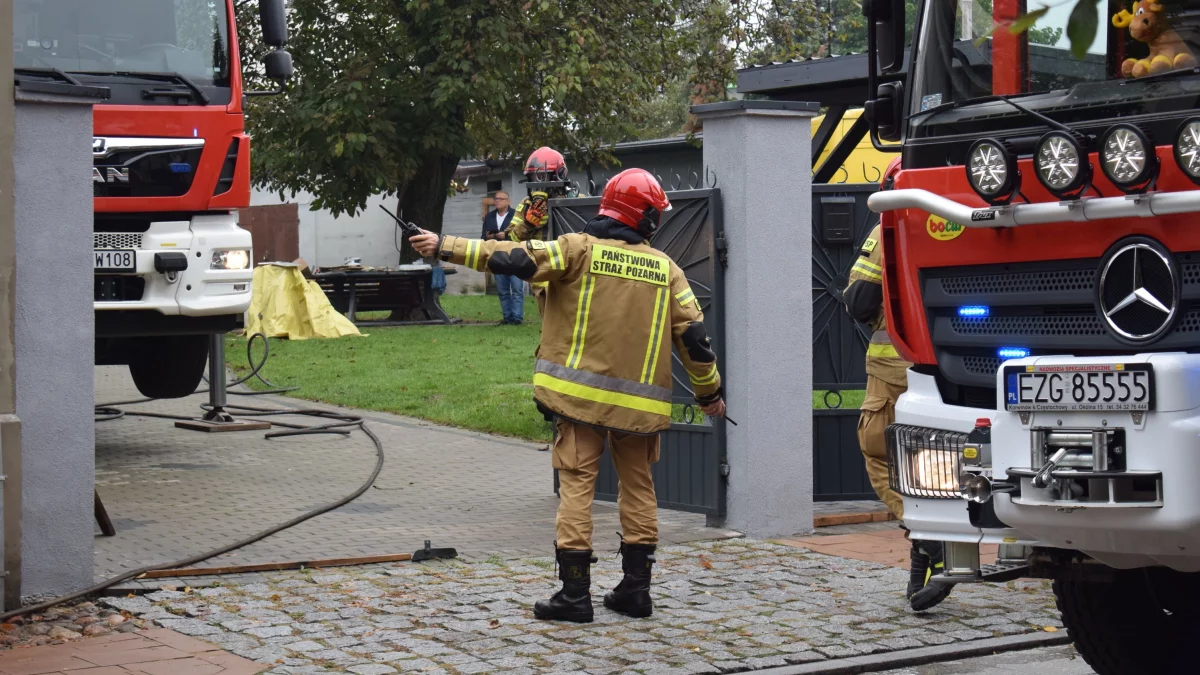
(54, 337)
(768, 324)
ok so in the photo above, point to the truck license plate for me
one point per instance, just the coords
(115, 260)
(1084, 387)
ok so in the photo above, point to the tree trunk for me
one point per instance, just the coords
(423, 199)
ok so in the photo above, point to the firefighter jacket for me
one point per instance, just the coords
(616, 308)
(864, 302)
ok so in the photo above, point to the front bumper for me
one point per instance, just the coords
(196, 291)
(1144, 512)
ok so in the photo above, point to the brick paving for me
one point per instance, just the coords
(886, 546)
(153, 652)
(173, 493)
(724, 606)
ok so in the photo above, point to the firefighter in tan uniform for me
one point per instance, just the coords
(615, 308)
(532, 216)
(886, 380)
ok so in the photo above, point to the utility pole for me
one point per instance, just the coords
(10, 426)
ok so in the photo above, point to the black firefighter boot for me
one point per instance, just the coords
(631, 597)
(918, 570)
(574, 601)
(932, 593)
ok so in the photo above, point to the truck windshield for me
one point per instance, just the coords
(961, 57)
(189, 37)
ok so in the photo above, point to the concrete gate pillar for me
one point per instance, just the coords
(758, 154)
(54, 339)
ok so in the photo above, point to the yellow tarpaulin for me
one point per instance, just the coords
(286, 305)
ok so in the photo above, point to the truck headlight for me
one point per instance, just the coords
(925, 462)
(237, 259)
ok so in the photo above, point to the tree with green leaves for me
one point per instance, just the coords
(389, 95)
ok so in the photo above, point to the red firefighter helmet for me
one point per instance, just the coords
(545, 164)
(635, 198)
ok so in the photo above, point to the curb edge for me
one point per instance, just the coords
(870, 663)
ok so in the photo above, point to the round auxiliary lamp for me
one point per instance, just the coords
(1062, 165)
(992, 171)
(1127, 158)
(1187, 149)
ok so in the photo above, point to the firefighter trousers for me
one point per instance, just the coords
(878, 411)
(576, 455)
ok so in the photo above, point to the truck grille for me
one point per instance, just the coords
(1047, 307)
(122, 240)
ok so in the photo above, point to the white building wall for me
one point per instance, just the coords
(326, 241)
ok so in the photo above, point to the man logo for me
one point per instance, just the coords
(110, 174)
(943, 230)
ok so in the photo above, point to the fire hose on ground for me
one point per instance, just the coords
(339, 424)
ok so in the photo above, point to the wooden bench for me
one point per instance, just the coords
(407, 294)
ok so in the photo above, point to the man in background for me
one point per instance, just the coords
(510, 288)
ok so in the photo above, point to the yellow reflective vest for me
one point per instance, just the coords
(882, 359)
(614, 312)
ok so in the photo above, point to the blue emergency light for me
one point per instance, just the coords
(1012, 352)
(973, 311)
(180, 167)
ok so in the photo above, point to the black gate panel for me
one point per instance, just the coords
(841, 221)
(689, 473)
(838, 470)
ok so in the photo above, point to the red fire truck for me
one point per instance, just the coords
(1042, 273)
(171, 168)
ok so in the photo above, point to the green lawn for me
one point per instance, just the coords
(470, 376)
(473, 375)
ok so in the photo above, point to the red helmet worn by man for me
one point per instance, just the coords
(545, 164)
(635, 198)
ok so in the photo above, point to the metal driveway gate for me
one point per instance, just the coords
(841, 221)
(690, 474)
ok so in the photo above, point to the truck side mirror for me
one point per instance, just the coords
(274, 23)
(886, 111)
(279, 65)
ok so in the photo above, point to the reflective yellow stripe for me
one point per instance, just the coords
(473, 254)
(886, 351)
(581, 318)
(685, 297)
(702, 380)
(556, 257)
(539, 284)
(867, 273)
(601, 395)
(652, 347)
(868, 265)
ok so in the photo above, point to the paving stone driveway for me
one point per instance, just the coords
(725, 606)
(173, 493)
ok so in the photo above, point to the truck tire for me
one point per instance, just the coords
(168, 367)
(1121, 626)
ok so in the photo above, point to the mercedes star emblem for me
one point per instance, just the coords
(1138, 291)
